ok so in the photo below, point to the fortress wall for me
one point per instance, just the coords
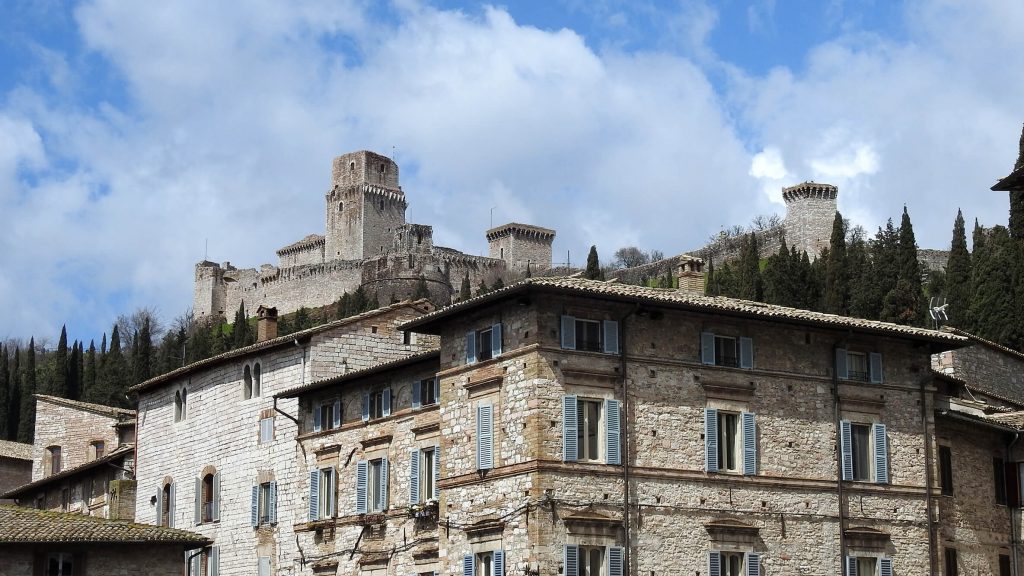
(313, 254)
(289, 289)
(728, 249)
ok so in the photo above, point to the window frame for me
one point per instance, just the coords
(481, 349)
(876, 456)
(327, 493)
(607, 332)
(745, 446)
(742, 349)
(426, 392)
(946, 470)
(327, 414)
(53, 460)
(950, 561)
(730, 431)
(583, 437)
(208, 497)
(266, 430)
(376, 492)
(427, 473)
(165, 515)
(60, 558)
(181, 404)
(875, 368)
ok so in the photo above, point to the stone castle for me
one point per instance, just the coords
(367, 243)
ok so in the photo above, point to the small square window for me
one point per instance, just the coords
(588, 335)
(428, 392)
(266, 430)
(483, 345)
(726, 353)
(857, 366)
(377, 404)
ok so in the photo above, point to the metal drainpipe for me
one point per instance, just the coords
(932, 550)
(1013, 528)
(624, 431)
(839, 457)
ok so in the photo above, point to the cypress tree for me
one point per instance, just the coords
(816, 280)
(593, 271)
(837, 289)
(958, 277)
(992, 306)
(977, 238)
(14, 392)
(906, 306)
(861, 277)
(778, 277)
(112, 382)
(240, 333)
(726, 281)
(749, 270)
(75, 371)
(89, 374)
(464, 290)
(421, 290)
(27, 421)
(711, 287)
(143, 366)
(59, 380)
(5, 397)
(374, 303)
(360, 302)
(482, 288)
(498, 284)
(1017, 198)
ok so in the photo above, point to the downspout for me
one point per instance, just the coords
(1013, 527)
(624, 431)
(188, 563)
(932, 549)
(839, 456)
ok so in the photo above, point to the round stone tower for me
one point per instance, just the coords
(810, 211)
(364, 207)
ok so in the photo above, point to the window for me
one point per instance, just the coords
(950, 564)
(718, 350)
(590, 335)
(246, 382)
(96, 449)
(424, 467)
(321, 494)
(731, 563)
(1004, 565)
(590, 430)
(165, 506)
(180, 404)
(999, 478)
(865, 453)
(730, 442)
(208, 498)
(53, 460)
(60, 564)
(376, 404)
(371, 485)
(483, 344)
(266, 430)
(484, 564)
(425, 392)
(592, 560)
(946, 470)
(65, 499)
(204, 563)
(326, 415)
(859, 366)
(868, 566)
(264, 504)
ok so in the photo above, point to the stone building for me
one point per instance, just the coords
(217, 452)
(15, 464)
(368, 243)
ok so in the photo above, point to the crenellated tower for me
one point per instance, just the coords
(810, 211)
(364, 207)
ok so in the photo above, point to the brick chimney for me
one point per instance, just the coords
(690, 272)
(266, 323)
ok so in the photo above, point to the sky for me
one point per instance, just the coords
(138, 138)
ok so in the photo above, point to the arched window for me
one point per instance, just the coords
(208, 497)
(180, 399)
(167, 505)
(341, 205)
(256, 380)
(246, 382)
(351, 166)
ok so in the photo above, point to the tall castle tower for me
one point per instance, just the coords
(364, 207)
(810, 211)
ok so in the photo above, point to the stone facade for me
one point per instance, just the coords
(78, 429)
(15, 465)
(986, 365)
(367, 243)
(152, 559)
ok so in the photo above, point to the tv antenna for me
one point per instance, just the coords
(937, 310)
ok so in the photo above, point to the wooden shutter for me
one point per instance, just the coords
(875, 367)
(361, 482)
(170, 508)
(159, 505)
(416, 393)
(414, 477)
(710, 440)
(749, 443)
(613, 444)
(753, 563)
(199, 501)
(885, 567)
(470, 347)
(437, 471)
(272, 505)
(496, 340)
(336, 413)
(254, 508)
(571, 559)
(842, 372)
(746, 353)
(611, 336)
(707, 348)
(366, 406)
(568, 332)
(468, 565)
(317, 425)
(383, 484)
(213, 563)
(570, 429)
(714, 563)
(846, 449)
(498, 562)
(616, 555)
(851, 566)
(484, 437)
(881, 454)
(216, 497)
(314, 495)
(386, 400)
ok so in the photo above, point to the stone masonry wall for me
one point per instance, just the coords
(152, 559)
(991, 370)
(14, 473)
(72, 429)
(86, 492)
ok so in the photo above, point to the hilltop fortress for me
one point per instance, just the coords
(367, 242)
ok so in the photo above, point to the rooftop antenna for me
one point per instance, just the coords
(937, 310)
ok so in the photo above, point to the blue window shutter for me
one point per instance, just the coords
(611, 336)
(199, 501)
(366, 406)
(470, 347)
(711, 440)
(216, 497)
(314, 495)
(875, 366)
(746, 353)
(264, 566)
(337, 413)
(214, 565)
(254, 512)
(749, 444)
(707, 348)
(414, 477)
(416, 393)
(842, 372)
(851, 566)
(613, 445)
(332, 509)
(159, 505)
(383, 484)
(273, 503)
(568, 332)
(753, 564)
(317, 425)
(170, 508)
(846, 446)
(881, 454)
(616, 556)
(437, 389)
(468, 565)
(484, 437)
(496, 340)
(386, 398)
(498, 562)
(361, 481)
(885, 567)
(570, 429)
(714, 563)
(437, 471)
(571, 560)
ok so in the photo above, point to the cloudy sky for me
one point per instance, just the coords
(137, 137)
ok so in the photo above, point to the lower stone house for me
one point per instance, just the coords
(43, 543)
(15, 465)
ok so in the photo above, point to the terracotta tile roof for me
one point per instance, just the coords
(375, 369)
(1014, 419)
(689, 301)
(113, 412)
(123, 451)
(301, 336)
(991, 420)
(988, 343)
(15, 450)
(976, 389)
(1015, 181)
(21, 525)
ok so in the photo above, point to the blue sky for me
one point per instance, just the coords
(135, 138)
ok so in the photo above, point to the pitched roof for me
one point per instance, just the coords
(1014, 419)
(375, 369)
(113, 412)
(678, 299)
(21, 525)
(120, 452)
(988, 343)
(15, 450)
(1015, 181)
(422, 305)
(975, 389)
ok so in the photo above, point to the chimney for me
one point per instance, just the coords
(690, 272)
(266, 323)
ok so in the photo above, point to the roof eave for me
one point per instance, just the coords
(365, 373)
